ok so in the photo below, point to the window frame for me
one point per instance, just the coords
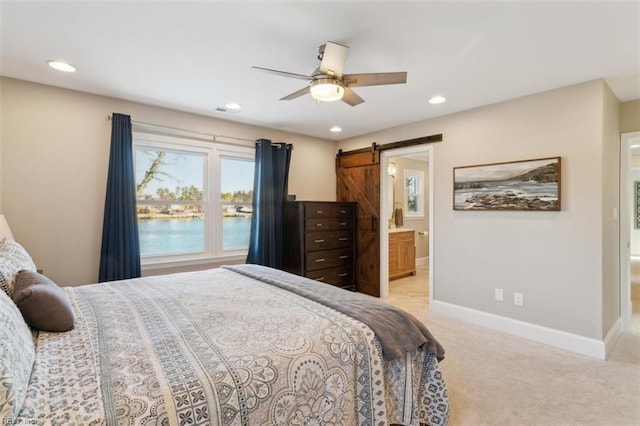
(238, 156)
(419, 175)
(212, 203)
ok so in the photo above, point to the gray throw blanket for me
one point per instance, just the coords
(398, 331)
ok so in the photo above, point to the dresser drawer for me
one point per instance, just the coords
(340, 276)
(327, 259)
(317, 210)
(320, 210)
(327, 224)
(342, 211)
(327, 240)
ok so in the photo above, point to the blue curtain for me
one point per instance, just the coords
(120, 252)
(270, 186)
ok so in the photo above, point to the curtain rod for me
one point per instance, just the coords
(211, 135)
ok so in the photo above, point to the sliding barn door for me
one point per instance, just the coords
(358, 179)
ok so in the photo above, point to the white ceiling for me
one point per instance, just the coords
(196, 56)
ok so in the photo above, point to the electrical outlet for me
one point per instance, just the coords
(498, 295)
(518, 299)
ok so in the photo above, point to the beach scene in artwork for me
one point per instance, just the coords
(522, 185)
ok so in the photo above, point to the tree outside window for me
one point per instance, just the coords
(414, 193)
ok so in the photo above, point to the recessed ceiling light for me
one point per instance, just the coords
(234, 106)
(61, 66)
(335, 129)
(437, 100)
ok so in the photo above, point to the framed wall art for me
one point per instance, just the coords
(529, 185)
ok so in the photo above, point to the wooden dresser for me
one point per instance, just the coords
(402, 253)
(320, 241)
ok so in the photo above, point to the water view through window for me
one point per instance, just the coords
(173, 211)
(236, 196)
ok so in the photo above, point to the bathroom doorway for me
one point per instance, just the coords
(630, 231)
(405, 212)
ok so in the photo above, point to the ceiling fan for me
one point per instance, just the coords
(328, 83)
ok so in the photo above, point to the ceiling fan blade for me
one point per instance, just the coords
(333, 59)
(284, 73)
(351, 97)
(296, 94)
(375, 79)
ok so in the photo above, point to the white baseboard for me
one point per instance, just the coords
(560, 339)
(612, 336)
(422, 261)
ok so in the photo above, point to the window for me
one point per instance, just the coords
(236, 198)
(170, 200)
(414, 193)
(193, 199)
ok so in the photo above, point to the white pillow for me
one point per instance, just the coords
(13, 259)
(17, 355)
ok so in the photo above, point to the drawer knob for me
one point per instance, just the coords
(344, 257)
(318, 225)
(320, 279)
(319, 260)
(319, 211)
(343, 211)
(318, 241)
(343, 223)
(344, 274)
(343, 239)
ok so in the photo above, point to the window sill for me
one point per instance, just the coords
(157, 264)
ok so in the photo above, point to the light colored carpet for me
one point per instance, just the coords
(497, 379)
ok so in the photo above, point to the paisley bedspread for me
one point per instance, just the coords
(219, 348)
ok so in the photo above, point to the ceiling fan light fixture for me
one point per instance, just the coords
(327, 89)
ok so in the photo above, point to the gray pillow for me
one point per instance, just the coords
(43, 304)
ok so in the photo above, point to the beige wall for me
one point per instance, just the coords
(554, 258)
(630, 116)
(55, 149)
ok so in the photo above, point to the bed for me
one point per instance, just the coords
(237, 345)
